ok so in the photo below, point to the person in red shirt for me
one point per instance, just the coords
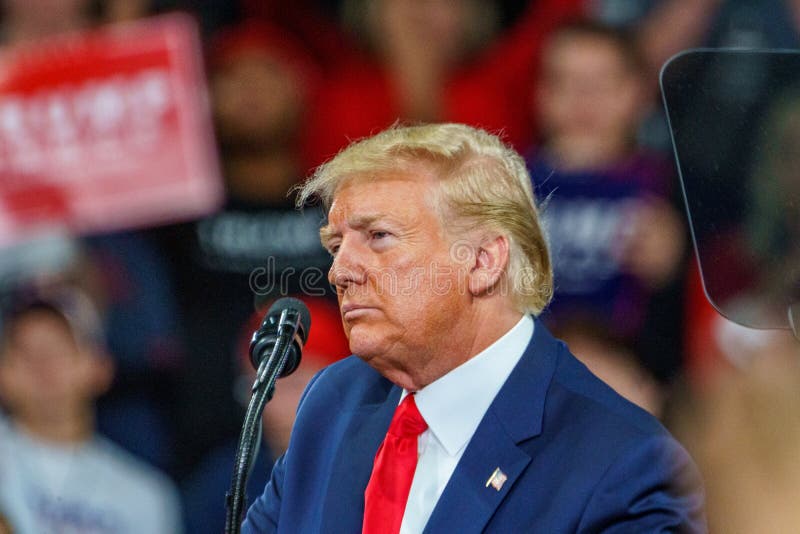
(426, 63)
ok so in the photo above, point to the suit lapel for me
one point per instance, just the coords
(469, 499)
(352, 465)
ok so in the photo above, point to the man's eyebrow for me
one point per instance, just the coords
(327, 232)
(362, 221)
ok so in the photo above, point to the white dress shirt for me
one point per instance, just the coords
(453, 406)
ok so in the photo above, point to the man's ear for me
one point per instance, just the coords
(6, 381)
(491, 263)
(103, 370)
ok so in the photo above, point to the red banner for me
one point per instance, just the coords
(106, 130)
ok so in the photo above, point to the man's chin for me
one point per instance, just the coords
(364, 352)
(364, 347)
(363, 340)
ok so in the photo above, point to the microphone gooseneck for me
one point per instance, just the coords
(275, 351)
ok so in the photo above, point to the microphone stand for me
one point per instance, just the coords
(250, 438)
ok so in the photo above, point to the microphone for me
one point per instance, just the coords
(287, 322)
(274, 351)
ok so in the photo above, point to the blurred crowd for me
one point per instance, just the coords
(123, 366)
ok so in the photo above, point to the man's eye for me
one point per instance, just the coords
(333, 249)
(379, 234)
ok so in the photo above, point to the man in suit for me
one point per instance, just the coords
(459, 412)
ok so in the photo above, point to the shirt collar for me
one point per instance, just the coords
(454, 405)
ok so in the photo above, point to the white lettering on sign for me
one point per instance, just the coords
(585, 233)
(89, 122)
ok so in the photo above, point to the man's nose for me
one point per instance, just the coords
(348, 265)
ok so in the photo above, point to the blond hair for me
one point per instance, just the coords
(483, 183)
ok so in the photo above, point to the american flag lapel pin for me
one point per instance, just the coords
(497, 479)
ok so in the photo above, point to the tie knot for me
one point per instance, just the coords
(407, 421)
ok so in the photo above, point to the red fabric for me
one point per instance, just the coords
(393, 471)
(491, 92)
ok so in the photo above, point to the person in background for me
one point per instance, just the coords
(618, 242)
(204, 488)
(136, 305)
(260, 79)
(432, 61)
(56, 473)
(135, 296)
(27, 21)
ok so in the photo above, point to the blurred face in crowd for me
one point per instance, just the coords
(397, 284)
(45, 375)
(588, 90)
(257, 100)
(41, 18)
(46, 9)
(437, 25)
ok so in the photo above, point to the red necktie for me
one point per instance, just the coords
(393, 470)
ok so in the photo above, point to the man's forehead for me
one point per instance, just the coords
(366, 201)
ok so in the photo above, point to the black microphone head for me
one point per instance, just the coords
(265, 337)
(298, 306)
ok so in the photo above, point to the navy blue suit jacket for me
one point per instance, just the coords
(579, 458)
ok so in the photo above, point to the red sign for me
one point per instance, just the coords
(106, 130)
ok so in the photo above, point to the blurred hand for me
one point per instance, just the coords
(747, 433)
(652, 245)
